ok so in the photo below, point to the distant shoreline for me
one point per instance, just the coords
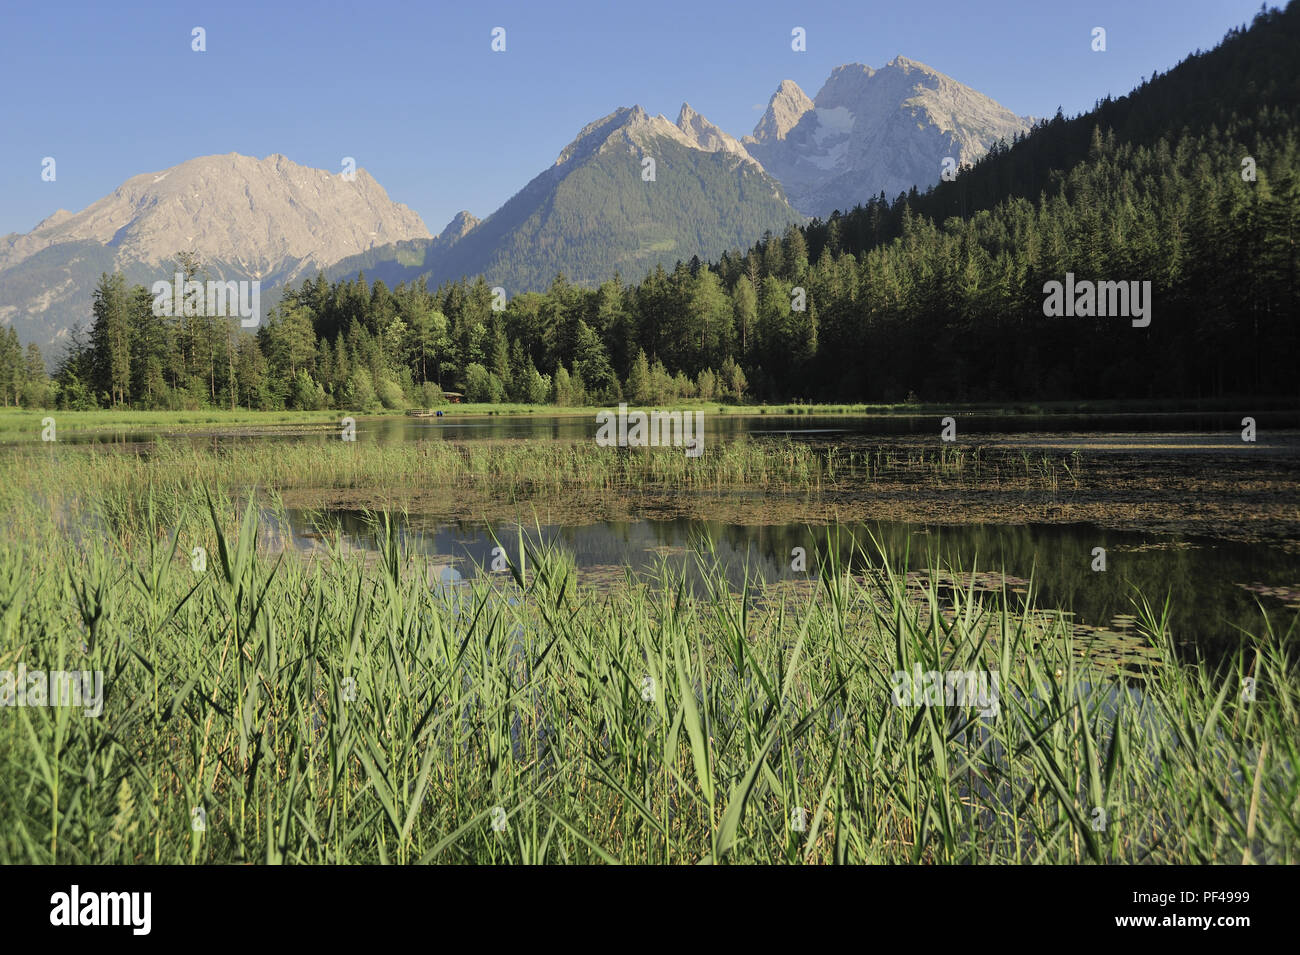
(17, 423)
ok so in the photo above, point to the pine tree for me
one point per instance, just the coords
(111, 338)
(638, 380)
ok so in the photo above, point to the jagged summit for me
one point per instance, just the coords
(705, 135)
(633, 126)
(595, 134)
(902, 62)
(869, 131)
(784, 110)
(460, 223)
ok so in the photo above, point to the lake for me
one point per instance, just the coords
(1181, 505)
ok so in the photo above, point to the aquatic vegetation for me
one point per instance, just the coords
(345, 710)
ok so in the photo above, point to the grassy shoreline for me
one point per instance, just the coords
(17, 424)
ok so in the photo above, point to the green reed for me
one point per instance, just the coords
(345, 710)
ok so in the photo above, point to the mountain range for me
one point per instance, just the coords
(630, 192)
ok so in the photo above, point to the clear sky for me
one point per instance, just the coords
(415, 93)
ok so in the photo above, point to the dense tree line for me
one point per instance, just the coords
(939, 294)
(23, 378)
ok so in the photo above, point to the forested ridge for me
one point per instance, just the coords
(1189, 182)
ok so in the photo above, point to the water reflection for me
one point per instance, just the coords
(1211, 429)
(1215, 588)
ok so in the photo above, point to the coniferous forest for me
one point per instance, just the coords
(1191, 182)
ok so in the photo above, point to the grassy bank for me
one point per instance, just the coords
(341, 711)
(22, 424)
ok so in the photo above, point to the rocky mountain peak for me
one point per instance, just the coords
(595, 134)
(844, 86)
(268, 219)
(901, 62)
(703, 134)
(784, 110)
(461, 223)
(236, 209)
(869, 131)
(633, 126)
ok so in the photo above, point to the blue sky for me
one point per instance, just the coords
(415, 93)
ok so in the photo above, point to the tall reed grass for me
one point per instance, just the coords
(119, 481)
(346, 711)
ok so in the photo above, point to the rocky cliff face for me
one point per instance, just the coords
(702, 134)
(869, 131)
(784, 110)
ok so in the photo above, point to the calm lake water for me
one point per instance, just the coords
(1206, 580)
(1220, 429)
